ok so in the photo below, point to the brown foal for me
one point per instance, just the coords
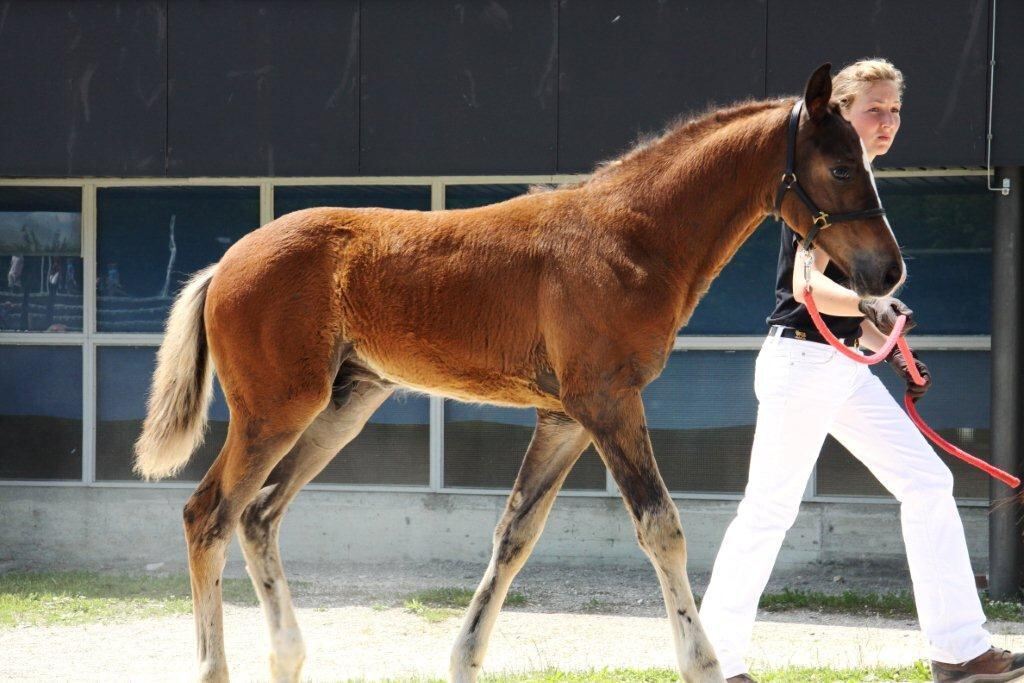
(566, 300)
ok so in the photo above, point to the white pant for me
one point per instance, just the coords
(805, 391)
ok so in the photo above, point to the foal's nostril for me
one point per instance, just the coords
(893, 276)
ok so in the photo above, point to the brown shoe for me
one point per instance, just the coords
(742, 678)
(994, 666)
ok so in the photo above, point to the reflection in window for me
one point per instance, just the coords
(958, 406)
(484, 446)
(41, 259)
(469, 196)
(123, 376)
(41, 412)
(151, 239)
(289, 198)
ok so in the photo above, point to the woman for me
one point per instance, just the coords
(807, 390)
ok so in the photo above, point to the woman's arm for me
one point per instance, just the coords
(831, 297)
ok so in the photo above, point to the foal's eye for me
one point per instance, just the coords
(841, 172)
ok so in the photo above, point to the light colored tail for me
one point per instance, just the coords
(182, 386)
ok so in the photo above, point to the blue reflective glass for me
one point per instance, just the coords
(944, 226)
(469, 196)
(701, 413)
(41, 412)
(150, 239)
(123, 375)
(393, 448)
(743, 294)
(288, 198)
(41, 259)
(957, 406)
(484, 446)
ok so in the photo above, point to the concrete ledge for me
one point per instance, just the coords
(131, 527)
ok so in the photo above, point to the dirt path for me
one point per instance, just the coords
(355, 627)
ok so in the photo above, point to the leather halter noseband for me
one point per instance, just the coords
(789, 181)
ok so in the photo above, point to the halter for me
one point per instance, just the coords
(789, 181)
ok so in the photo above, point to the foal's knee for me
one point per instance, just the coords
(661, 534)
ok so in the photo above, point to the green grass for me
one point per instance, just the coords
(438, 604)
(49, 598)
(909, 674)
(894, 605)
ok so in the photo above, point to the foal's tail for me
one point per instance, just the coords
(182, 386)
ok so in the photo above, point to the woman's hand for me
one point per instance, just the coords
(898, 364)
(883, 312)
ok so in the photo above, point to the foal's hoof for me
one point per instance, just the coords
(212, 673)
(466, 675)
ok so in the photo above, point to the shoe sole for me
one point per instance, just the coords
(1015, 676)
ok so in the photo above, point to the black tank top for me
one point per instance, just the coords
(789, 312)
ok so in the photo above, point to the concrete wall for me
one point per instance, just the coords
(132, 527)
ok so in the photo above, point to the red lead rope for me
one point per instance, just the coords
(896, 338)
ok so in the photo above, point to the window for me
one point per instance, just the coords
(470, 196)
(484, 446)
(123, 375)
(40, 412)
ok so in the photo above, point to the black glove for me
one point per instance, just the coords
(884, 311)
(899, 365)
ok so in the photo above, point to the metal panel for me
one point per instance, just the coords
(629, 67)
(83, 88)
(939, 45)
(458, 87)
(263, 88)
(1008, 98)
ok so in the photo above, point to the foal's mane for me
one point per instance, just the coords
(680, 131)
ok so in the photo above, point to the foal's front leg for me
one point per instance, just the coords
(557, 443)
(620, 433)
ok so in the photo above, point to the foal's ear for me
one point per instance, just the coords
(818, 92)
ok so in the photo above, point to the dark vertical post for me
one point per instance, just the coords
(1004, 540)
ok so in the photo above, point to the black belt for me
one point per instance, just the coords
(793, 333)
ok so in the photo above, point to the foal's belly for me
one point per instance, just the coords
(415, 371)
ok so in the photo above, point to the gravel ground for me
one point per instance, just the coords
(574, 618)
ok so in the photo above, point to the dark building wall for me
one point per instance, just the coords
(392, 87)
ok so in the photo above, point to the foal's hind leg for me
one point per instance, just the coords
(620, 432)
(556, 445)
(332, 429)
(211, 514)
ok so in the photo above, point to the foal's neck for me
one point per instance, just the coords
(701, 190)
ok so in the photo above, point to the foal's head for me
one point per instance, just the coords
(833, 168)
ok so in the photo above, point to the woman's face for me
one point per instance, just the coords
(875, 115)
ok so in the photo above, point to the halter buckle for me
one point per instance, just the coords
(788, 179)
(821, 220)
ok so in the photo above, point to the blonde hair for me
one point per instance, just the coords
(856, 77)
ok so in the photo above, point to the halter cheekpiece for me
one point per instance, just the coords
(789, 181)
